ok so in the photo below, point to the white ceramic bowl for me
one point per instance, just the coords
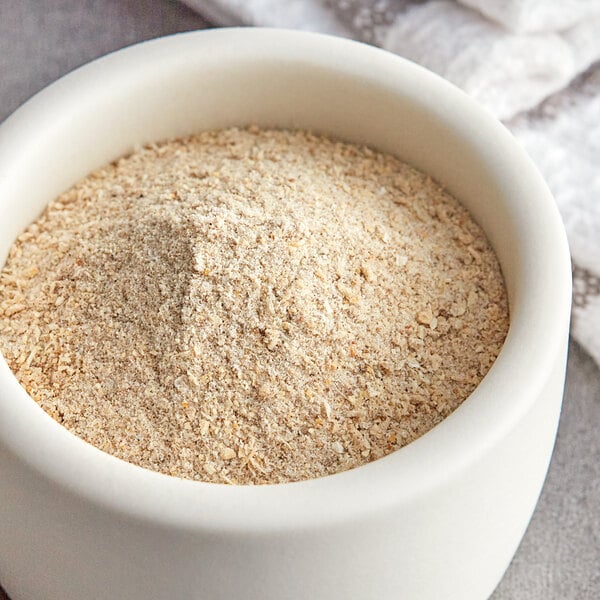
(440, 518)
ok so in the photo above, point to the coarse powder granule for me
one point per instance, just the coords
(252, 306)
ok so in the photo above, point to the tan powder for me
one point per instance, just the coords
(252, 306)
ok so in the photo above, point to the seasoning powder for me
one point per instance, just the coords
(252, 306)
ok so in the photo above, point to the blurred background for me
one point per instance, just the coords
(535, 64)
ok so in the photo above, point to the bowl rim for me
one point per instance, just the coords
(51, 451)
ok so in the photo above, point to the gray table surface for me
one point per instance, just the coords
(559, 558)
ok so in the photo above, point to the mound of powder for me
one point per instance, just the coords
(252, 306)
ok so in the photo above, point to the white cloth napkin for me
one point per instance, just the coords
(311, 15)
(563, 137)
(527, 16)
(523, 59)
(505, 71)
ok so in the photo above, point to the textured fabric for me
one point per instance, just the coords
(563, 138)
(295, 14)
(506, 72)
(559, 556)
(524, 16)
